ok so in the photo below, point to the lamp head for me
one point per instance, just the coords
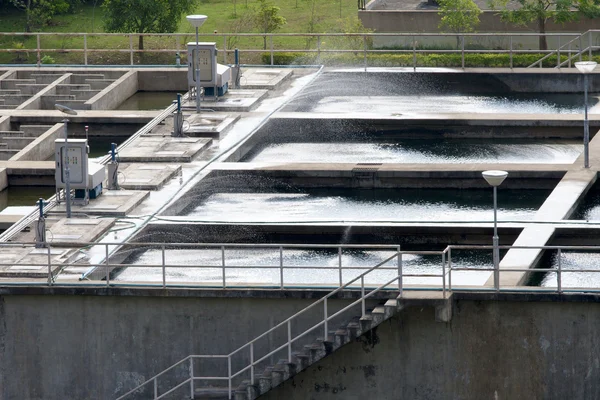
(65, 109)
(586, 66)
(494, 178)
(196, 20)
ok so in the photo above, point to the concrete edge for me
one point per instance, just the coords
(35, 100)
(44, 141)
(115, 93)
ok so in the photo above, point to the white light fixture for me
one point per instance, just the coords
(197, 21)
(494, 178)
(586, 66)
(65, 162)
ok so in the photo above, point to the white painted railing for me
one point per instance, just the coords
(359, 43)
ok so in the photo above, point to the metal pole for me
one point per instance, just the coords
(496, 253)
(67, 171)
(586, 127)
(197, 74)
(192, 378)
(289, 332)
(164, 272)
(558, 274)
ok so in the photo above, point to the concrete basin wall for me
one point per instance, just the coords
(42, 147)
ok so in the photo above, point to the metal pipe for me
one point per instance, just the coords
(66, 170)
(197, 74)
(586, 126)
(496, 250)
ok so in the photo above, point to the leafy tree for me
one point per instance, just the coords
(268, 19)
(144, 16)
(458, 16)
(40, 12)
(542, 11)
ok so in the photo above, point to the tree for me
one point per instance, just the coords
(542, 11)
(144, 16)
(40, 12)
(268, 19)
(458, 16)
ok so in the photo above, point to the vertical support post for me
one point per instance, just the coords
(558, 54)
(39, 50)
(414, 54)
(224, 49)
(586, 126)
(325, 327)
(511, 52)
(319, 48)
(590, 45)
(197, 74)
(450, 269)
(580, 47)
(496, 251)
(281, 267)
(444, 274)
(271, 38)
(252, 362)
(106, 264)
(49, 265)
(85, 55)
(155, 389)
(223, 265)
(365, 51)
(130, 50)
(559, 273)
(67, 171)
(400, 278)
(289, 332)
(229, 376)
(340, 265)
(570, 54)
(164, 272)
(362, 297)
(462, 51)
(192, 377)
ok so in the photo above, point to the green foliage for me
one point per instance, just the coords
(348, 25)
(47, 60)
(41, 12)
(541, 11)
(458, 16)
(144, 16)
(21, 54)
(268, 19)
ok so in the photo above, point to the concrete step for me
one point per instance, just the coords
(84, 94)
(12, 133)
(9, 91)
(74, 104)
(11, 83)
(7, 107)
(33, 130)
(6, 154)
(14, 100)
(99, 84)
(48, 101)
(15, 142)
(65, 88)
(212, 393)
(30, 89)
(78, 79)
(45, 79)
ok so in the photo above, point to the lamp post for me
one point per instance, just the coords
(197, 21)
(495, 179)
(65, 163)
(586, 67)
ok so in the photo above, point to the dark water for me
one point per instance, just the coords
(24, 196)
(148, 101)
(424, 151)
(101, 145)
(380, 205)
(314, 267)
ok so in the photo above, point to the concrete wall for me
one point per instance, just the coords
(84, 346)
(158, 80)
(35, 102)
(42, 147)
(490, 350)
(116, 93)
(427, 21)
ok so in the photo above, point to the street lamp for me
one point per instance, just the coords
(586, 67)
(495, 179)
(197, 21)
(65, 163)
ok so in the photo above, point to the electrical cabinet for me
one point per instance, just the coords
(208, 63)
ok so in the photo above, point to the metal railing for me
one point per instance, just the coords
(355, 43)
(584, 46)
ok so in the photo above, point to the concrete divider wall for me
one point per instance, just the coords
(3, 179)
(116, 93)
(158, 80)
(41, 148)
(84, 347)
(35, 102)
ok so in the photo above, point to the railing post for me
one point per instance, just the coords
(164, 272)
(155, 389)
(131, 50)
(229, 376)
(444, 275)
(450, 269)
(39, 50)
(223, 265)
(225, 49)
(325, 328)
(365, 51)
(511, 52)
(362, 296)
(400, 278)
(580, 47)
(318, 48)
(281, 267)
(252, 362)
(106, 263)
(570, 54)
(49, 265)
(414, 54)
(462, 51)
(192, 378)
(85, 55)
(590, 46)
(271, 40)
(340, 265)
(558, 54)
(559, 273)
(289, 329)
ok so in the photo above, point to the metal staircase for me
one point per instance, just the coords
(575, 50)
(250, 379)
